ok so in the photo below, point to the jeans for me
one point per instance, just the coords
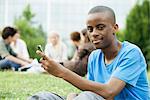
(7, 64)
(45, 96)
(86, 95)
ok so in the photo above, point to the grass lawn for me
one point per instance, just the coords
(149, 75)
(16, 85)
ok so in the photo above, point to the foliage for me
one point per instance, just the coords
(28, 15)
(138, 27)
(120, 35)
(19, 85)
(33, 35)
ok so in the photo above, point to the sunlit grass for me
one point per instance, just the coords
(17, 85)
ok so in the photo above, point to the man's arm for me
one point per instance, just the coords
(24, 59)
(107, 91)
(16, 60)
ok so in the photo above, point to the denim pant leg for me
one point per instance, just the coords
(4, 64)
(7, 64)
(87, 95)
(45, 96)
(14, 65)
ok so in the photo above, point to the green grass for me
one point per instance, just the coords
(149, 75)
(15, 85)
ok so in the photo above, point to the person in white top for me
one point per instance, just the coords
(19, 46)
(55, 48)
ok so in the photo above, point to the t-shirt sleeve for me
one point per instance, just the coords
(3, 51)
(90, 70)
(130, 67)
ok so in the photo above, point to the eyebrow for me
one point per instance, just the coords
(100, 25)
(96, 25)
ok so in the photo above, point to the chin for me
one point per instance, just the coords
(100, 46)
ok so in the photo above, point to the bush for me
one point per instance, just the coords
(33, 35)
(138, 27)
(120, 35)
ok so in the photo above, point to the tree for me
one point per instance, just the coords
(28, 15)
(138, 27)
(33, 35)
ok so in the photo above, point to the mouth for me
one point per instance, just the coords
(96, 41)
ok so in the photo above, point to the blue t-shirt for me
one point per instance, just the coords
(129, 66)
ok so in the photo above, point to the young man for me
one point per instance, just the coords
(8, 58)
(116, 70)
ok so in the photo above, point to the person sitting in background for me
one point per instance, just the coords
(8, 58)
(55, 48)
(80, 59)
(77, 41)
(79, 66)
(85, 36)
(19, 46)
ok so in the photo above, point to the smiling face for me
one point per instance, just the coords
(101, 29)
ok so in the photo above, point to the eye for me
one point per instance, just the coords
(89, 29)
(100, 26)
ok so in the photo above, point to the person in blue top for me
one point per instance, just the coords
(116, 70)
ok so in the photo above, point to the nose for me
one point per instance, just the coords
(94, 33)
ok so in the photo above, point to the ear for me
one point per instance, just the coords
(116, 27)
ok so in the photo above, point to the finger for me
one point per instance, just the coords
(44, 62)
(42, 55)
(45, 68)
(41, 60)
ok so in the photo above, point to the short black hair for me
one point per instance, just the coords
(8, 31)
(99, 9)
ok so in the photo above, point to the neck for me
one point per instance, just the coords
(112, 51)
(56, 45)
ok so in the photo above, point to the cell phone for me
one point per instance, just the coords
(39, 47)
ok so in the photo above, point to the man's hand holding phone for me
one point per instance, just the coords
(39, 47)
(51, 66)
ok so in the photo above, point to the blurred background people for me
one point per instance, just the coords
(79, 66)
(19, 46)
(84, 35)
(77, 41)
(76, 38)
(55, 48)
(8, 58)
(84, 47)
